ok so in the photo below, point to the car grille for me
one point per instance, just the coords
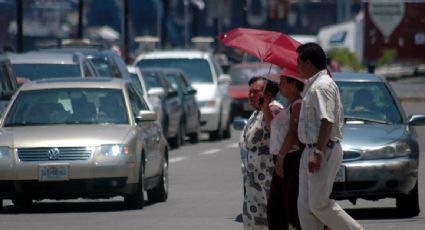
(63, 153)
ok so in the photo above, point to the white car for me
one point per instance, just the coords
(206, 75)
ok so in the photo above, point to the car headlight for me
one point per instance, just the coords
(396, 149)
(114, 150)
(4, 151)
(207, 104)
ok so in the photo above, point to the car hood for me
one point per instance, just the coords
(356, 135)
(205, 92)
(238, 92)
(63, 135)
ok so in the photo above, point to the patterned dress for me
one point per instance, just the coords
(258, 172)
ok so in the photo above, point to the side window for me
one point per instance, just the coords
(3, 76)
(217, 66)
(115, 71)
(136, 101)
(86, 69)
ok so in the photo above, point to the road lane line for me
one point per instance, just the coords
(233, 145)
(210, 151)
(176, 159)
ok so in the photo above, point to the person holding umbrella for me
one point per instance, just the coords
(286, 150)
(259, 163)
(320, 129)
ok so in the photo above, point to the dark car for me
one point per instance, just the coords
(381, 152)
(158, 85)
(8, 83)
(191, 114)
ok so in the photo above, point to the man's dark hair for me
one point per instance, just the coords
(313, 52)
(298, 84)
(256, 78)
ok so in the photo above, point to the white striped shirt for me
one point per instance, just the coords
(321, 100)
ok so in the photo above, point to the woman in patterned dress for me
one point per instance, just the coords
(259, 163)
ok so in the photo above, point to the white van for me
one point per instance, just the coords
(206, 75)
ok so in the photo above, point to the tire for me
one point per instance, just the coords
(160, 192)
(176, 140)
(195, 137)
(182, 132)
(227, 133)
(408, 205)
(22, 202)
(217, 134)
(136, 200)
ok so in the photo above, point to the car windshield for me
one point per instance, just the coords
(67, 106)
(240, 75)
(196, 69)
(40, 71)
(368, 102)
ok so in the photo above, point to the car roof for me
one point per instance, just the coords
(86, 51)
(356, 77)
(174, 54)
(42, 57)
(75, 82)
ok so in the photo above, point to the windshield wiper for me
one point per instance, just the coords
(365, 119)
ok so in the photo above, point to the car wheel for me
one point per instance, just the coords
(175, 141)
(182, 134)
(136, 200)
(160, 192)
(227, 134)
(195, 137)
(408, 205)
(217, 134)
(22, 202)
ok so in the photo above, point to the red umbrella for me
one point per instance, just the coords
(269, 46)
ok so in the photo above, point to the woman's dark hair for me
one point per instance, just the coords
(256, 78)
(313, 52)
(299, 84)
(272, 88)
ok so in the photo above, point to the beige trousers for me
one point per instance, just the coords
(315, 208)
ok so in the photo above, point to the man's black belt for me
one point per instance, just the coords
(330, 144)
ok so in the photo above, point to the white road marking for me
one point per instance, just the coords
(176, 159)
(210, 151)
(234, 145)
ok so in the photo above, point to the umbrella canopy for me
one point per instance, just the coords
(269, 46)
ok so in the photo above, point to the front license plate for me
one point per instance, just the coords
(340, 174)
(53, 172)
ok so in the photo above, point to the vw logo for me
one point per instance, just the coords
(53, 154)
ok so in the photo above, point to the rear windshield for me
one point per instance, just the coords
(197, 70)
(40, 71)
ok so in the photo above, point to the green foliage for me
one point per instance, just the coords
(345, 58)
(388, 56)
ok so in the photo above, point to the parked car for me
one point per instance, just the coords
(187, 94)
(40, 64)
(8, 81)
(206, 75)
(172, 110)
(381, 152)
(238, 89)
(106, 62)
(74, 137)
(139, 84)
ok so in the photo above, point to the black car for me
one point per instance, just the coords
(187, 94)
(172, 123)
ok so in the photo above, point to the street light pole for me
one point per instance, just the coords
(19, 26)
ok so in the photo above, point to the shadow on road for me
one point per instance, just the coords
(69, 207)
(376, 213)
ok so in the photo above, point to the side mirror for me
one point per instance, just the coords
(224, 79)
(172, 93)
(191, 91)
(146, 115)
(417, 119)
(156, 91)
(239, 123)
